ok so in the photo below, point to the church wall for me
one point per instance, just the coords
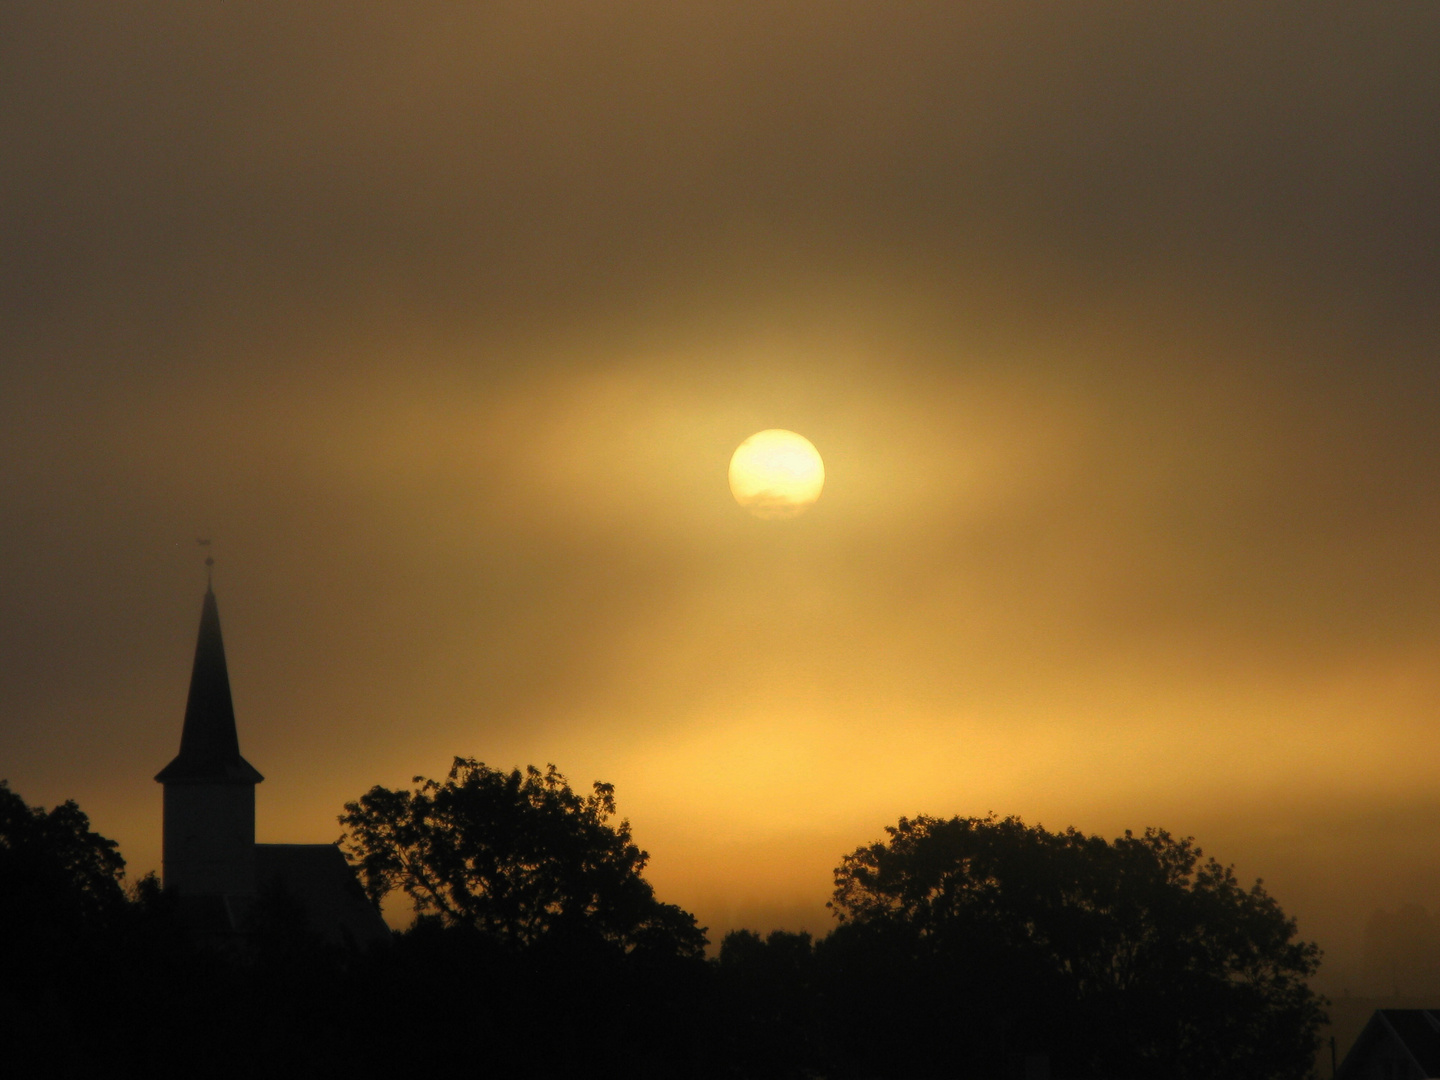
(209, 839)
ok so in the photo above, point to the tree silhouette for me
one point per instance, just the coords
(769, 1004)
(63, 922)
(60, 883)
(1127, 958)
(518, 856)
(54, 856)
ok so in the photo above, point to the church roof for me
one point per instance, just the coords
(318, 876)
(209, 747)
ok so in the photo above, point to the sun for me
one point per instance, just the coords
(776, 474)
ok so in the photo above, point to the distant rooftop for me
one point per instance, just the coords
(1398, 1044)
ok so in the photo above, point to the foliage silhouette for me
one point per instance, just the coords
(518, 856)
(98, 980)
(770, 995)
(54, 871)
(63, 917)
(1129, 958)
(961, 947)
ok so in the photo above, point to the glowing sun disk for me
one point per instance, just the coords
(776, 474)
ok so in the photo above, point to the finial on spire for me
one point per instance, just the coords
(209, 562)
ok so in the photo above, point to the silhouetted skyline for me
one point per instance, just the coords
(1114, 325)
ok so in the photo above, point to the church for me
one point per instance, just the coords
(210, 860)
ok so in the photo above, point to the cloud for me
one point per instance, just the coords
(1115, 328)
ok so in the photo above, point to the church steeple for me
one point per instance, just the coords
(209, 746)
(209, 836)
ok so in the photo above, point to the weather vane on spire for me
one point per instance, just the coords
(209, 562)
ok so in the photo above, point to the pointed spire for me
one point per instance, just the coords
(209, 746)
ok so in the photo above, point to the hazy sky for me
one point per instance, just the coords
(1116, 326)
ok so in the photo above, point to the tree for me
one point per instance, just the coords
(768, 1004)
(518, 856)
(1129, 958)
(57, 877)
(63, 914)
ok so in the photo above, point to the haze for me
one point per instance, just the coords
(1116, 325)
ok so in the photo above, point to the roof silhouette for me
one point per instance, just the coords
(318, 876)
(209, 746)
(1396, 1037)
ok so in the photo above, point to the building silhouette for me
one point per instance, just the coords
(210, 860)
(1396, 1044)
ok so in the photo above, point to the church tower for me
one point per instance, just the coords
(209, 815)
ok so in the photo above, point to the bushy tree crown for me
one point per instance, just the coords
(517, 855)
(1158, 960)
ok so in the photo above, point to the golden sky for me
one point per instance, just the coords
(1115, 324)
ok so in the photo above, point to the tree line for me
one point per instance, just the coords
(963, 947)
